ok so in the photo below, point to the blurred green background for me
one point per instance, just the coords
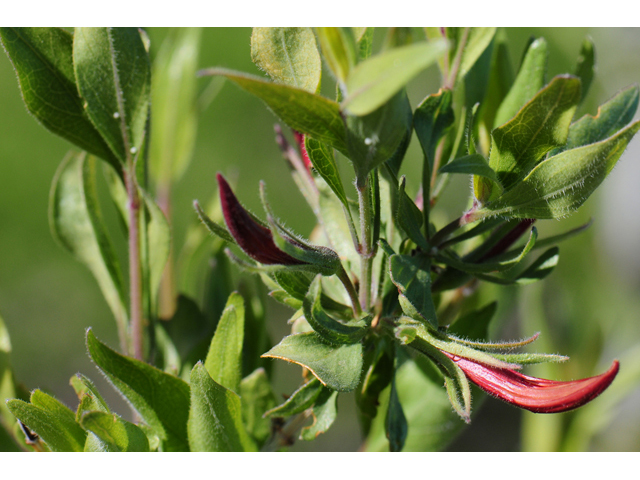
(588, 309)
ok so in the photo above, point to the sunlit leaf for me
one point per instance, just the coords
(338, 50)
(324, 414)
(118, 434)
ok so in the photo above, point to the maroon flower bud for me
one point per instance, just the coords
(535, 394)
(254, 239)
(303, 150)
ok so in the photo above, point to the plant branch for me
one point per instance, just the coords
(135, 273)
(366, 235)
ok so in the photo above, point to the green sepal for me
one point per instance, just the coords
(224, 360)
(376, 80)
(113, 73)
(325, 411)
(52, 421)
(412, 276)
(529, 80)
(330, 329)
(337, 367)
(289, 55)
(117, 434)
(215, 416)
(303, 398)
(161, 400)
(43, 61)
(303, 111)
(530, 358)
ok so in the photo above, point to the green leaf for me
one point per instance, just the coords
(257, 398)
(432, 422)
(162, 400)
(477, 42)
(331, 330)
(157, 237)
(337, 367)
(213, 227)
(224, 360)
(76, 223)
(585, 69)
(53, 422)
(538, 270)
(85, 389)
(610, 118)
(471, 165)
(379, 370)
(117, 434)
(409, 217)
(43, 61)
(529, 80)
(303, 111)
(560, 184)
(338, 50)
(539, 126)
(396, 422)
(215, 417)
(113, 74)
(374, 138)
(364, 37)
(500, 81)
(7, 441)
(474, 324)
(7, 383)
(376, 80)
(412, 276)
(324, 162)
(289, 55)
(174, 116)
(299, 400)
(324, 414)
(431, 120)
(492, 266)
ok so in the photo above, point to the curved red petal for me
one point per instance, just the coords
(254, 239)
(303, 150)
(535, 394)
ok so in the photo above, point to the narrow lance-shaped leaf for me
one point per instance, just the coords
(529, 80)
(409, 217)
(560, 184)
(539, 126)
(43, 61)
(610, 118)
(396, 422)
(288, 54)
(118, 434)
(299, 400)
(215, 417)
(412, 276)
(585, 69)
(324, 414)
(224, 360)
(76, 222)
(374, 81)
(338, 50)
(174, 116)
(301, 110)
(52, 421)
(477, 42)
(431, 120)
(162, 400)
(337, 367)
(113, 74)
(471, 165)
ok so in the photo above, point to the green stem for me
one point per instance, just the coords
(366, 236)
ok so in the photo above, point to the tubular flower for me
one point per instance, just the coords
(254, 239)
(535, 394)
(303, 150)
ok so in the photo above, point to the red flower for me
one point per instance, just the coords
(303, 150)
(535, 394)
(254, 239)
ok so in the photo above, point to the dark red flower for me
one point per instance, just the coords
(254, 239)
(535, 394)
